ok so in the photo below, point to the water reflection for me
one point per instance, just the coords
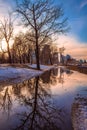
(5, 101)
(44, 102)
(41, 113)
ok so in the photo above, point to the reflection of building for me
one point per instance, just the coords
(60, 75)
(55, 71)
(46, 77)
(79, 113)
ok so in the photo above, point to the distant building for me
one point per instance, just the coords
(45, 55)
(48, 57)
(55, 58)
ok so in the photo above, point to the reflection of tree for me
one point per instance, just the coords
(46, 77)
(42, 114)
(6, 101)
(50, 76)
(34, 98)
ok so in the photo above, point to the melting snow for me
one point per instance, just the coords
(42, 67)
(16, 74)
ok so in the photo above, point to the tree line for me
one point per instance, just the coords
(43, 19)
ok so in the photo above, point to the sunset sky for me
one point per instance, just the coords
(75, 41)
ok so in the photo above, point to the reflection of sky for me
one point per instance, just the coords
(64, 88)
(71, 83)
(8, 117)
(64, 94)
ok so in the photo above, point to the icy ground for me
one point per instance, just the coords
(42, 67)
(9, 74)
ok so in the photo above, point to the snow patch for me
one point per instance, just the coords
(42, 67)
(16, 74)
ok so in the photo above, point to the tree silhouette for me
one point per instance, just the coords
(43, 18)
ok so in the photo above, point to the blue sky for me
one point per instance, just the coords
(76, 11)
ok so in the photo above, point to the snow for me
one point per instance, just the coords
(12, 74)
(9, 74)
(42, 67)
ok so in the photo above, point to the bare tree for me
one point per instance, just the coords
(43, 18)
(22, 49)
(6, 29)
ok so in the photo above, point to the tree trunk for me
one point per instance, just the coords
(37, 55)
(35, 102)
(36, 37)
(9, 54)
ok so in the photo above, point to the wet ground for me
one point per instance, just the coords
(57, 100)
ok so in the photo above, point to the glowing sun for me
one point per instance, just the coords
(4, 44)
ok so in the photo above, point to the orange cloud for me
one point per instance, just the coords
(72, 46)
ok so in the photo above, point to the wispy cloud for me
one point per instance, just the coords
(83, 4)
(73, 46)
(6, 6)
